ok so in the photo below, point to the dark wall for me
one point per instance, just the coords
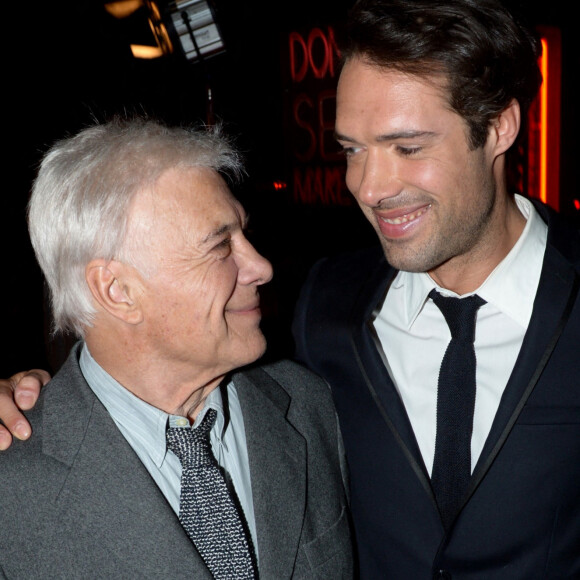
(70, 61)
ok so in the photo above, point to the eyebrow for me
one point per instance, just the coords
(218, 233)
(410, 134)
(224, 229)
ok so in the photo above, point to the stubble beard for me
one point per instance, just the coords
(459, 239)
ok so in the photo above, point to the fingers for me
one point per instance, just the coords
(18, 392)
(5, 438)
(28, 388)
(13, 419)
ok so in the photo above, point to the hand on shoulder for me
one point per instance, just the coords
(18, 393)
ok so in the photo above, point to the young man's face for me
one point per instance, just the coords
(431, 199)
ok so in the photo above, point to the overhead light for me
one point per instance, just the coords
(196, 27)
(145, 51)
(123, 8)
(142, 21)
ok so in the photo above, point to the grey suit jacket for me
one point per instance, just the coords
(76, 502)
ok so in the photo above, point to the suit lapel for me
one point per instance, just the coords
(108, 489)
(277, 456)
(557, 293)
(369, 356)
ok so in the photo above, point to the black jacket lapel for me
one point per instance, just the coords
(369, 356)
(556, 296)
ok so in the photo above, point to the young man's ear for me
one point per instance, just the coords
(506, 126)
(113, 288)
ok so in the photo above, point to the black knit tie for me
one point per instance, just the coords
(455, 404)
(207, 511)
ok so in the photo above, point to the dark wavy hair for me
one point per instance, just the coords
(487, 53)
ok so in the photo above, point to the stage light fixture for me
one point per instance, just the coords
(195, 25)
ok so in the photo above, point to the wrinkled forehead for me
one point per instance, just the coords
(184, 202)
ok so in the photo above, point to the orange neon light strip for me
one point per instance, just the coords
(544, 124)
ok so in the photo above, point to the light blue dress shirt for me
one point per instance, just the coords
(143, 426)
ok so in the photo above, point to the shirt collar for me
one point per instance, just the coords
(511, 287)
(142, 420)
(213, 401)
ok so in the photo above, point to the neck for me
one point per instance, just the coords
(466, 273)
(174, 388)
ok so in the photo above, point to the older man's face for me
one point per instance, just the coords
(201, 294)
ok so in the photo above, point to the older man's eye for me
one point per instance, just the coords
(224, 247)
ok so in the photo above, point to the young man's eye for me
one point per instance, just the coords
(408, 151)
(350, 151)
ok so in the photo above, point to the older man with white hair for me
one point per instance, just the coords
(152, 454)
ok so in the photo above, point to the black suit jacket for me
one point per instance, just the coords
(520, 517)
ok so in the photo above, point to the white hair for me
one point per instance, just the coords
(81, 197)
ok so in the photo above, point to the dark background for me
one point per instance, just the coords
(69, 61)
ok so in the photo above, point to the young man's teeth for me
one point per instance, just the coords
(405, 218)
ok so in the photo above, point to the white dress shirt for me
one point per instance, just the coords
(143, 426)
(414, 335)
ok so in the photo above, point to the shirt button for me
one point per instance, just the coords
(442, 575)
(181, 422)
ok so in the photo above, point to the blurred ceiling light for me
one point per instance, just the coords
(123, 8)
(144, 51)
(159, 30)
(143, 22)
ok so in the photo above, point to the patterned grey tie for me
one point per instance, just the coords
(207, 511)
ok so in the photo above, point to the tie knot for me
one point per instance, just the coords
(192, 446)
(459, 313)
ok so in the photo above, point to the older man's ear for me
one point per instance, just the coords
(114, 287)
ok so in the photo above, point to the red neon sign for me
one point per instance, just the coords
(316, 53)
(544, 124)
